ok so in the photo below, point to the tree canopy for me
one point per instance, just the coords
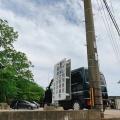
(16, 79)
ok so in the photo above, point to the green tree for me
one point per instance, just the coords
(35, 91)
(7, 83)
(7, 35)
(8, 88)
(16, 79)
(29, 90)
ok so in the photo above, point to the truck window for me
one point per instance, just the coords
(102, 79)
(76, 82)
(87, 78)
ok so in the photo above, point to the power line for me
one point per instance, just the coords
(115, 42)
(110, 33)
(116, 26)
(112, 17)
(112, 8)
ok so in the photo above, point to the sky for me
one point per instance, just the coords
(51, 30)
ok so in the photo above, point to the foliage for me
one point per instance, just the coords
(7, 34)
(16, 79)
(28, 89)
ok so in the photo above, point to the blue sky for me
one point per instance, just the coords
(51, 30)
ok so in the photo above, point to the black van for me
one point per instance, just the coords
(80, 95)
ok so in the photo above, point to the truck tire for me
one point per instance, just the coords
(76, 105)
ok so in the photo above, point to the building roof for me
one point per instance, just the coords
(114, 96)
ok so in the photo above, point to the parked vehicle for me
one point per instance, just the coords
(37, 104)
(80, 94)
(22, 104)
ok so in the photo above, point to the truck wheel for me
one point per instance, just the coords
(76, 105)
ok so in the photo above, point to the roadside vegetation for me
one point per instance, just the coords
(16, 79)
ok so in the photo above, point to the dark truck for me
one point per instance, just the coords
(80, 91)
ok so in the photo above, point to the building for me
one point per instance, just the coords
(115, 102)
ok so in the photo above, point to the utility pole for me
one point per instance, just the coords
(93, 67)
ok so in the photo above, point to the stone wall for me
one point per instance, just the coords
(50, 115)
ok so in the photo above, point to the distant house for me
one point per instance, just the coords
(115, 102)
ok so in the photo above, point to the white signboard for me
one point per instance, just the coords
(59, 82)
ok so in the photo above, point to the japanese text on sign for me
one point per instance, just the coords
(59, 83)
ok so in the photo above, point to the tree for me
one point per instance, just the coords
(8, 87)
(7, 35)
(29, 90)
(36, 91)
(15, 79)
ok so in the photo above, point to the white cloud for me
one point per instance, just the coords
(50, 32)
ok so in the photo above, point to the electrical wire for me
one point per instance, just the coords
(114, 22)
(113, 33)
(112, 17)
(112, 9)
(115, 42)
(110, 33)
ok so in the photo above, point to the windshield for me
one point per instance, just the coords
(102, 78)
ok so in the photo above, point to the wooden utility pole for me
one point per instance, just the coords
(93, 67)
